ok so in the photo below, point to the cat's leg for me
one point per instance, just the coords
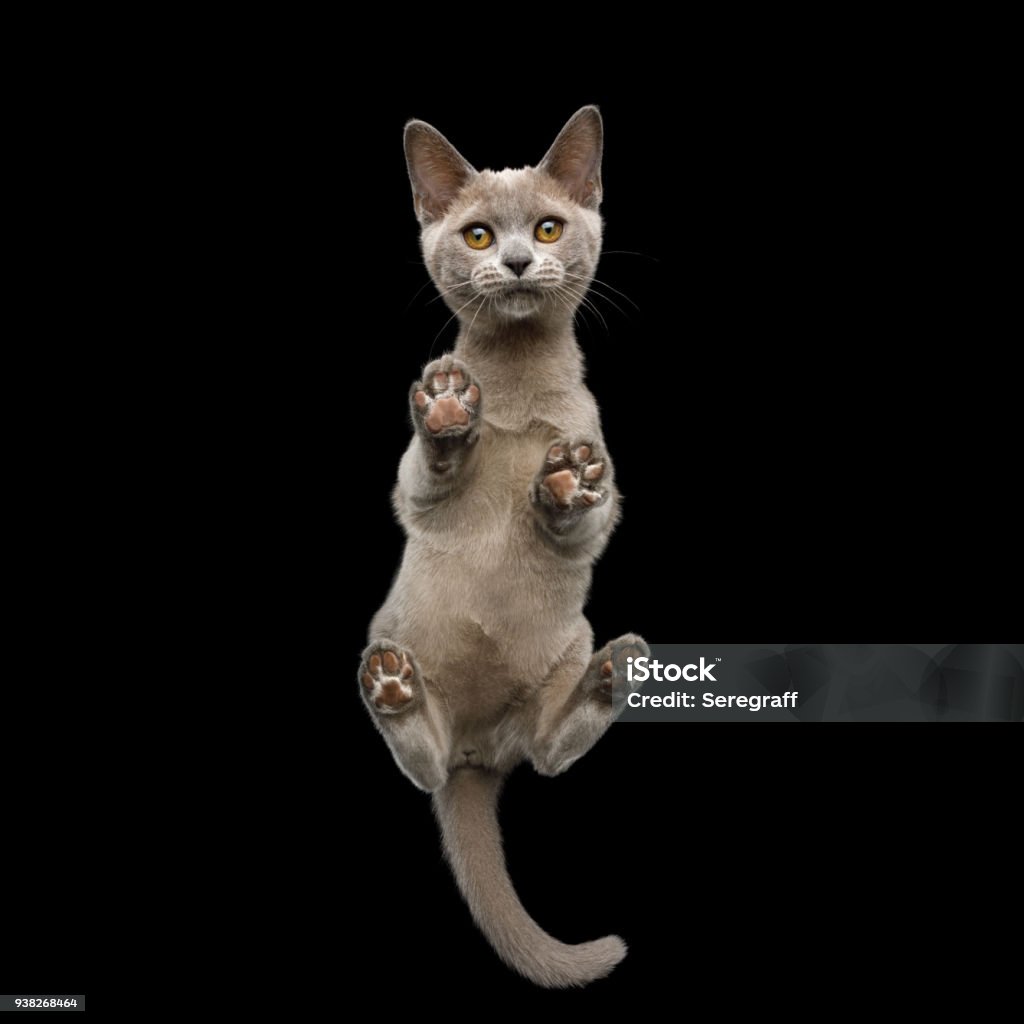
(445, 407)
(572, 494)
(575, 712)
(407, 712)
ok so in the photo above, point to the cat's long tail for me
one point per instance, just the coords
(467, 811)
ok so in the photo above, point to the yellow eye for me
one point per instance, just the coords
(478, 237)
(549, 230)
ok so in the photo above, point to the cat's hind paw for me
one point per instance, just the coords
(608, 677)
(390, 679)
(446, 402)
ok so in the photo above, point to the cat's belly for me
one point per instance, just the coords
(483, 600)
(522, 604)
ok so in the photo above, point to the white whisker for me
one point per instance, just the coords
(451, 318)
(626, 252)
(598, 283)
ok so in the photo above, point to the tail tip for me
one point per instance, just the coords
(574, 966)
(613, 951)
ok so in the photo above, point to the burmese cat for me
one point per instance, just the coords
(480, 657)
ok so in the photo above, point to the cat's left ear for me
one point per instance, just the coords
(437, 170)
(574, 159)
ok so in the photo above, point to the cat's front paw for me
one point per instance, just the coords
(446, 402)
(569, 482)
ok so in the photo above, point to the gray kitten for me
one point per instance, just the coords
(481, 657)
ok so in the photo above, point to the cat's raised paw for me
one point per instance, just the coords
(389, 678)
(446, 402)
(570, 480)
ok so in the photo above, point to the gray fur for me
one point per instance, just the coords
(480, 657)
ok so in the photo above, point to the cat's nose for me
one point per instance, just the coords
(518, 265)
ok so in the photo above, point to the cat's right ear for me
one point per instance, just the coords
(437, 170)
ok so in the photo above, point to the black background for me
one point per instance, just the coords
(806, 433)
(775, 435)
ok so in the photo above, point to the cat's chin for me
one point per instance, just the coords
(519, 305)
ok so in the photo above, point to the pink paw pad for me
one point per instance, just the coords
(388, 677)
(447, 400)
(571, 476)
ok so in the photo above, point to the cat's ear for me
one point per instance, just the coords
(437, 170)
(574, 159)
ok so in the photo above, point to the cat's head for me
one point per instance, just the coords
(510, 245)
